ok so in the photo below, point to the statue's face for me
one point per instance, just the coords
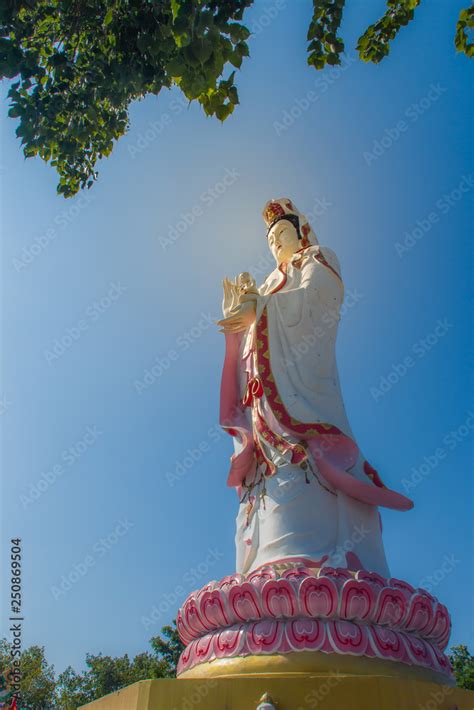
(283, 241)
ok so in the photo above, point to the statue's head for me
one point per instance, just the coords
(288, 231)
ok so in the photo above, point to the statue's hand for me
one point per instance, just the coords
(231, 296)
(241, 319)
(248, 297)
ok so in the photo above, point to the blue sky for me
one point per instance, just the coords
(114, 467)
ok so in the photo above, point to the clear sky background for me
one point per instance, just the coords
(124, 485)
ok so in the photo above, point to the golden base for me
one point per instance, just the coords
(310, 664)
(329, 691)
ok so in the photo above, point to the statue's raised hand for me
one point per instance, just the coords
(231, 297)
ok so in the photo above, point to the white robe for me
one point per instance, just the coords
(296, 518)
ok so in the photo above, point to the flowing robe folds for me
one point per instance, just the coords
(306, 491)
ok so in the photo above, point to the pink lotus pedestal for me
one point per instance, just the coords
(298, 618)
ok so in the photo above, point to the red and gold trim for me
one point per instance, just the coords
(322, 260)
(264, 464)
(305, 230)
(282, 269)
(272, 211)
(371, 473)
(279, 410)
(298, 452)
(265, 384)
(298, 262)
(254, 390)
(251, 398)
(271, 392)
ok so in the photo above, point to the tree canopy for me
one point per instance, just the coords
(38, 683)
(39, 687)
(77, 65)
(463, 666)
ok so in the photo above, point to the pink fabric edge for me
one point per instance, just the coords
(334, 455)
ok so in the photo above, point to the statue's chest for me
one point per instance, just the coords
(285, 280)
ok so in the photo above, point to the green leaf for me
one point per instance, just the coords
(333, 58)
(175, 66)
(236, 59)
(223, 112)
(91, 113)
(238, 32)
(202, 49)
(183, 39)
(233, 95)
(175, 8)
(242, 49)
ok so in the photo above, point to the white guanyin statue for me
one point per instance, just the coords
(312, 596)
(306, 491)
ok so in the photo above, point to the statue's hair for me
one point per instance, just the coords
(293, 218)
